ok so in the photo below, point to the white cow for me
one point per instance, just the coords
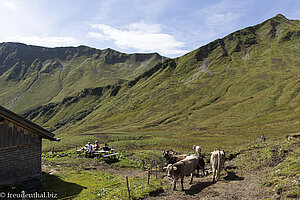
(197, 150)
(217, 161)
(201, 162)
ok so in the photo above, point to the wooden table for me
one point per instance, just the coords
(104, 154)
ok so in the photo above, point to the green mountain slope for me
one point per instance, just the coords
(228, 91)
(32, 76)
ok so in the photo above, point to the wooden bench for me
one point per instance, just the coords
(103, 152)
(110, 155)
(99, 153)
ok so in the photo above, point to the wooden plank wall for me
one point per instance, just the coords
(12, 135)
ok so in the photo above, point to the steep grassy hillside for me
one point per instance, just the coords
(31, 76)
(221, 95)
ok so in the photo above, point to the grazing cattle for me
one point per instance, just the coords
(172, 158)
(201, 163)
(182, 168)
(217, 161)
(197, 150)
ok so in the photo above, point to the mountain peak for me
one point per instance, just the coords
(280, 17)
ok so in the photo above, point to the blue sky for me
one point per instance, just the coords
(169, 27)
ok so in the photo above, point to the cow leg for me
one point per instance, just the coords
(198, 175)
(218, 174)
(192, 175)
(203, 171)
(182, 183)
(174, 183)
(214, 173)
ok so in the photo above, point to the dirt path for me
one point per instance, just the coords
(233, 185)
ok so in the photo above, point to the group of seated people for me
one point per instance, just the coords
(90, 149)
(262, 138)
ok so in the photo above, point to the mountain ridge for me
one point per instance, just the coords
(63, 67)
(242, 85)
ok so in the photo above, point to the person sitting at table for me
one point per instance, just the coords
(262, 138)
(96, 146)
(106, 147)
(89, 149)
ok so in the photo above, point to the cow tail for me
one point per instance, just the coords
(219, 162)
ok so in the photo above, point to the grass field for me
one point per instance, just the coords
(88, 178)
(275, 161)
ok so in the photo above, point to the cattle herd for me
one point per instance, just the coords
(179, 166)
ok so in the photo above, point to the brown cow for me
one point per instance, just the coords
(182, 168)
(217, 161)
(172, 157)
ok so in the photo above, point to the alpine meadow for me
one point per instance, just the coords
(223, 95)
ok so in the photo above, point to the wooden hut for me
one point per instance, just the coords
(20, 147)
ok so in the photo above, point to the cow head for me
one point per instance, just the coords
(170, 169)
(223, 152)
(168, 153)
(197, 150)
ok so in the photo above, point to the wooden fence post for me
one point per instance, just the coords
(155, 169)
(149, 175)
(128, 187)
(143, 163)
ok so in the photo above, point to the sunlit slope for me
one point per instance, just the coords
(31, 76)
(247, 82)
(249, 79)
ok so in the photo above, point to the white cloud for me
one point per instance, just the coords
(222, 19)
(143, 27)
(44, 41)
(141, 37)
(10, 5)
(97, 36)
(224, 15)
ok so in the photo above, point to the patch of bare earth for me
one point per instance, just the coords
(234, 184)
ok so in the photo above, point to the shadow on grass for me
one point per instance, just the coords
(110, 160)
(60, 187)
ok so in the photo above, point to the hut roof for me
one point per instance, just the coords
(21, 121)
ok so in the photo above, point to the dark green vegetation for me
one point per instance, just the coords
(221, 95)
